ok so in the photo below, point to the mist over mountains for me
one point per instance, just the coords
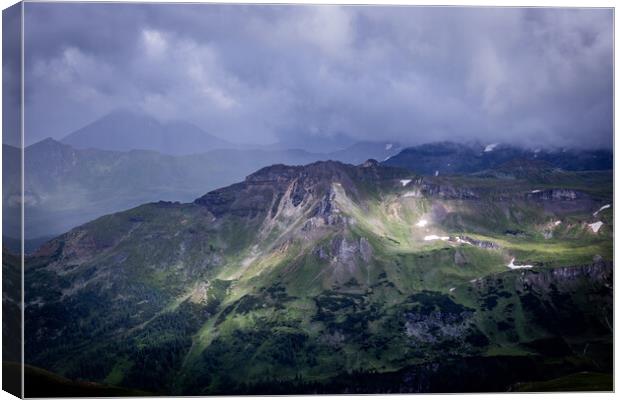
(68, 186)
(71, 184)
(125, 129)
(454, 158)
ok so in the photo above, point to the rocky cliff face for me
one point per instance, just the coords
(599, 272)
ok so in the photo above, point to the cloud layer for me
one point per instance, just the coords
(261, 73)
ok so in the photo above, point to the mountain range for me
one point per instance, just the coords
(66, 186)
(337, 278)
(458, 158)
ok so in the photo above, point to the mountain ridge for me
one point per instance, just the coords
(124, 129)
(316, 271)
(459, 158)
(68, 186)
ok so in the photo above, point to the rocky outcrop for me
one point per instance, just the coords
(556, 195)
(365, 249)
(598, 272)
(436, 327)
(444, 191)
(263, 191)
(483, 244)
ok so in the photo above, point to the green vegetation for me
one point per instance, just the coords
(330, 276)
(579, 382)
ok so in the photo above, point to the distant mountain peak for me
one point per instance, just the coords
(371, 162)
(126, 129)
(48, 144)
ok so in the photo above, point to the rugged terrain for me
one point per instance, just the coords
(67, 186)
(334, 278)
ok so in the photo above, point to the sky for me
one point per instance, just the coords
(261, 74)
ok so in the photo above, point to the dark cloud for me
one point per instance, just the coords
(258, 73)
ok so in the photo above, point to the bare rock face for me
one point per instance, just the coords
(598, 272)
(483, 244)
(344, 251)
(321, 253)
(327, 210)
(436, 326)
(370, 163)
(445, 191)
(365, 249)
(264, 191)
(298, 193)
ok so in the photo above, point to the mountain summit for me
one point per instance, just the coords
(124, 130)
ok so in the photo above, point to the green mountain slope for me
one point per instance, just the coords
(333, 278)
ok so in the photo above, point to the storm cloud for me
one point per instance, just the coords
(257, 73)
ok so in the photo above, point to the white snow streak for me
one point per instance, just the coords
(435, 237)
(463, 241)
(513, 266)
(596, 226)
(490, 147)
(606, 206)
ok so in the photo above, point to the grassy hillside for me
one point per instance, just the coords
(332, 278)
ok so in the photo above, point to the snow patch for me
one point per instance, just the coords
(606, 206)
(422, 223)
(556, 223)
(455, 239)
(596, 226)
(490, 147)
(513, 266)
(437, 173)
(405, 182)
(463, 241)
(388, 146)
(435, 237)
(536, 191)
(410, 194)
(452, 289)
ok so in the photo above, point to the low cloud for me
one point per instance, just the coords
(261, 73)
